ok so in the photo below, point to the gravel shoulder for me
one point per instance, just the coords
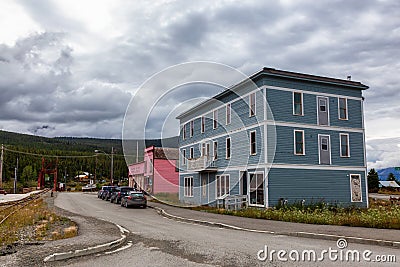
(91, 232)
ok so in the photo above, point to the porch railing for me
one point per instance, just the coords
(235, 202)
(201, 163)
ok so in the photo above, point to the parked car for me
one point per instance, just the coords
(134, 198)
(105, 194)
(119, 193)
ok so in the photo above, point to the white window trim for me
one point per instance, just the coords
(191, 186)
(203, 124)
(191, 129)
(351, 199)
(319, 148)
(348, 145)
(228, 177)
(255, 137)
(184, 159)
(347, 109)
(302, 103)
(191, 153)
(230, 113)
(255, 104)
(215, 150)
(226, 148)
(294, 143)
(215, 119)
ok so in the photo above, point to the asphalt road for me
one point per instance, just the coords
(158, 241)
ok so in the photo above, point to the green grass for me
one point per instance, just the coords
(381, 214)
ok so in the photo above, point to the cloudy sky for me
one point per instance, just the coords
(70, 68)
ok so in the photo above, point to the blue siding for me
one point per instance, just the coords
(312, 86)
(293, 184)
(285, 147)
(328, 186)
(281, 104)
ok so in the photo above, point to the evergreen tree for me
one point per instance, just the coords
(373, 181)
(391, 177)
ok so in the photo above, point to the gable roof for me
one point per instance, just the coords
(389, 184)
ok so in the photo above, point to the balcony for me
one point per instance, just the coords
(202, 164)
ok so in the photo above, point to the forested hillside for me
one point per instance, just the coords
(73, 156)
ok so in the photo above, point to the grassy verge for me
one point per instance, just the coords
(381, 214)
(35, 222)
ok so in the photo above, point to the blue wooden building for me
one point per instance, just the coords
(279, 136)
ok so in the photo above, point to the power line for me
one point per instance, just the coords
(47, 156)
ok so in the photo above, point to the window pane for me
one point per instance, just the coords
(324, 144)
(298, 110)
(344, 145)
(299, 142)
(322, 105)
(252, 103)
(342, 108)
(253, 142)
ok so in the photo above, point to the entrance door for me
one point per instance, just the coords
(323, 110)
(256, 189)
(324, 149)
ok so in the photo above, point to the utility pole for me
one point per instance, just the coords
(1, 165)
(95, 169)
(112, 166)
(15, 178)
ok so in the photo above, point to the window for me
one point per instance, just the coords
(252, 104)
(188, 190)
(203, 124)
(191, 128)
(184, 157)
(299, 142)
(324, 144)
(191, 154)
(215, 119)
(203, 149)
(344, 145)
(151, 166)
(297, 103)
(228, 114)
(253, 146)
(184, 132)
(228, 148)
(322, 105)
(342, 108)
(215, 150)
(222, 185)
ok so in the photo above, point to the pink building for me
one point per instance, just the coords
(158, 172)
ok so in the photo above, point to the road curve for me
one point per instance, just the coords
(158, 241)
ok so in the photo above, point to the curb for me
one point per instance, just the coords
(358, 240)
(89, 250)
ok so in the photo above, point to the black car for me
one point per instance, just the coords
(105, 195)
(119, 193)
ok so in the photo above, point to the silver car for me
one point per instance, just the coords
(134, 198)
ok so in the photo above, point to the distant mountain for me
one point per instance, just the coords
(383, 173)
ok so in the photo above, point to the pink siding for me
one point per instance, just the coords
(166, 179)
